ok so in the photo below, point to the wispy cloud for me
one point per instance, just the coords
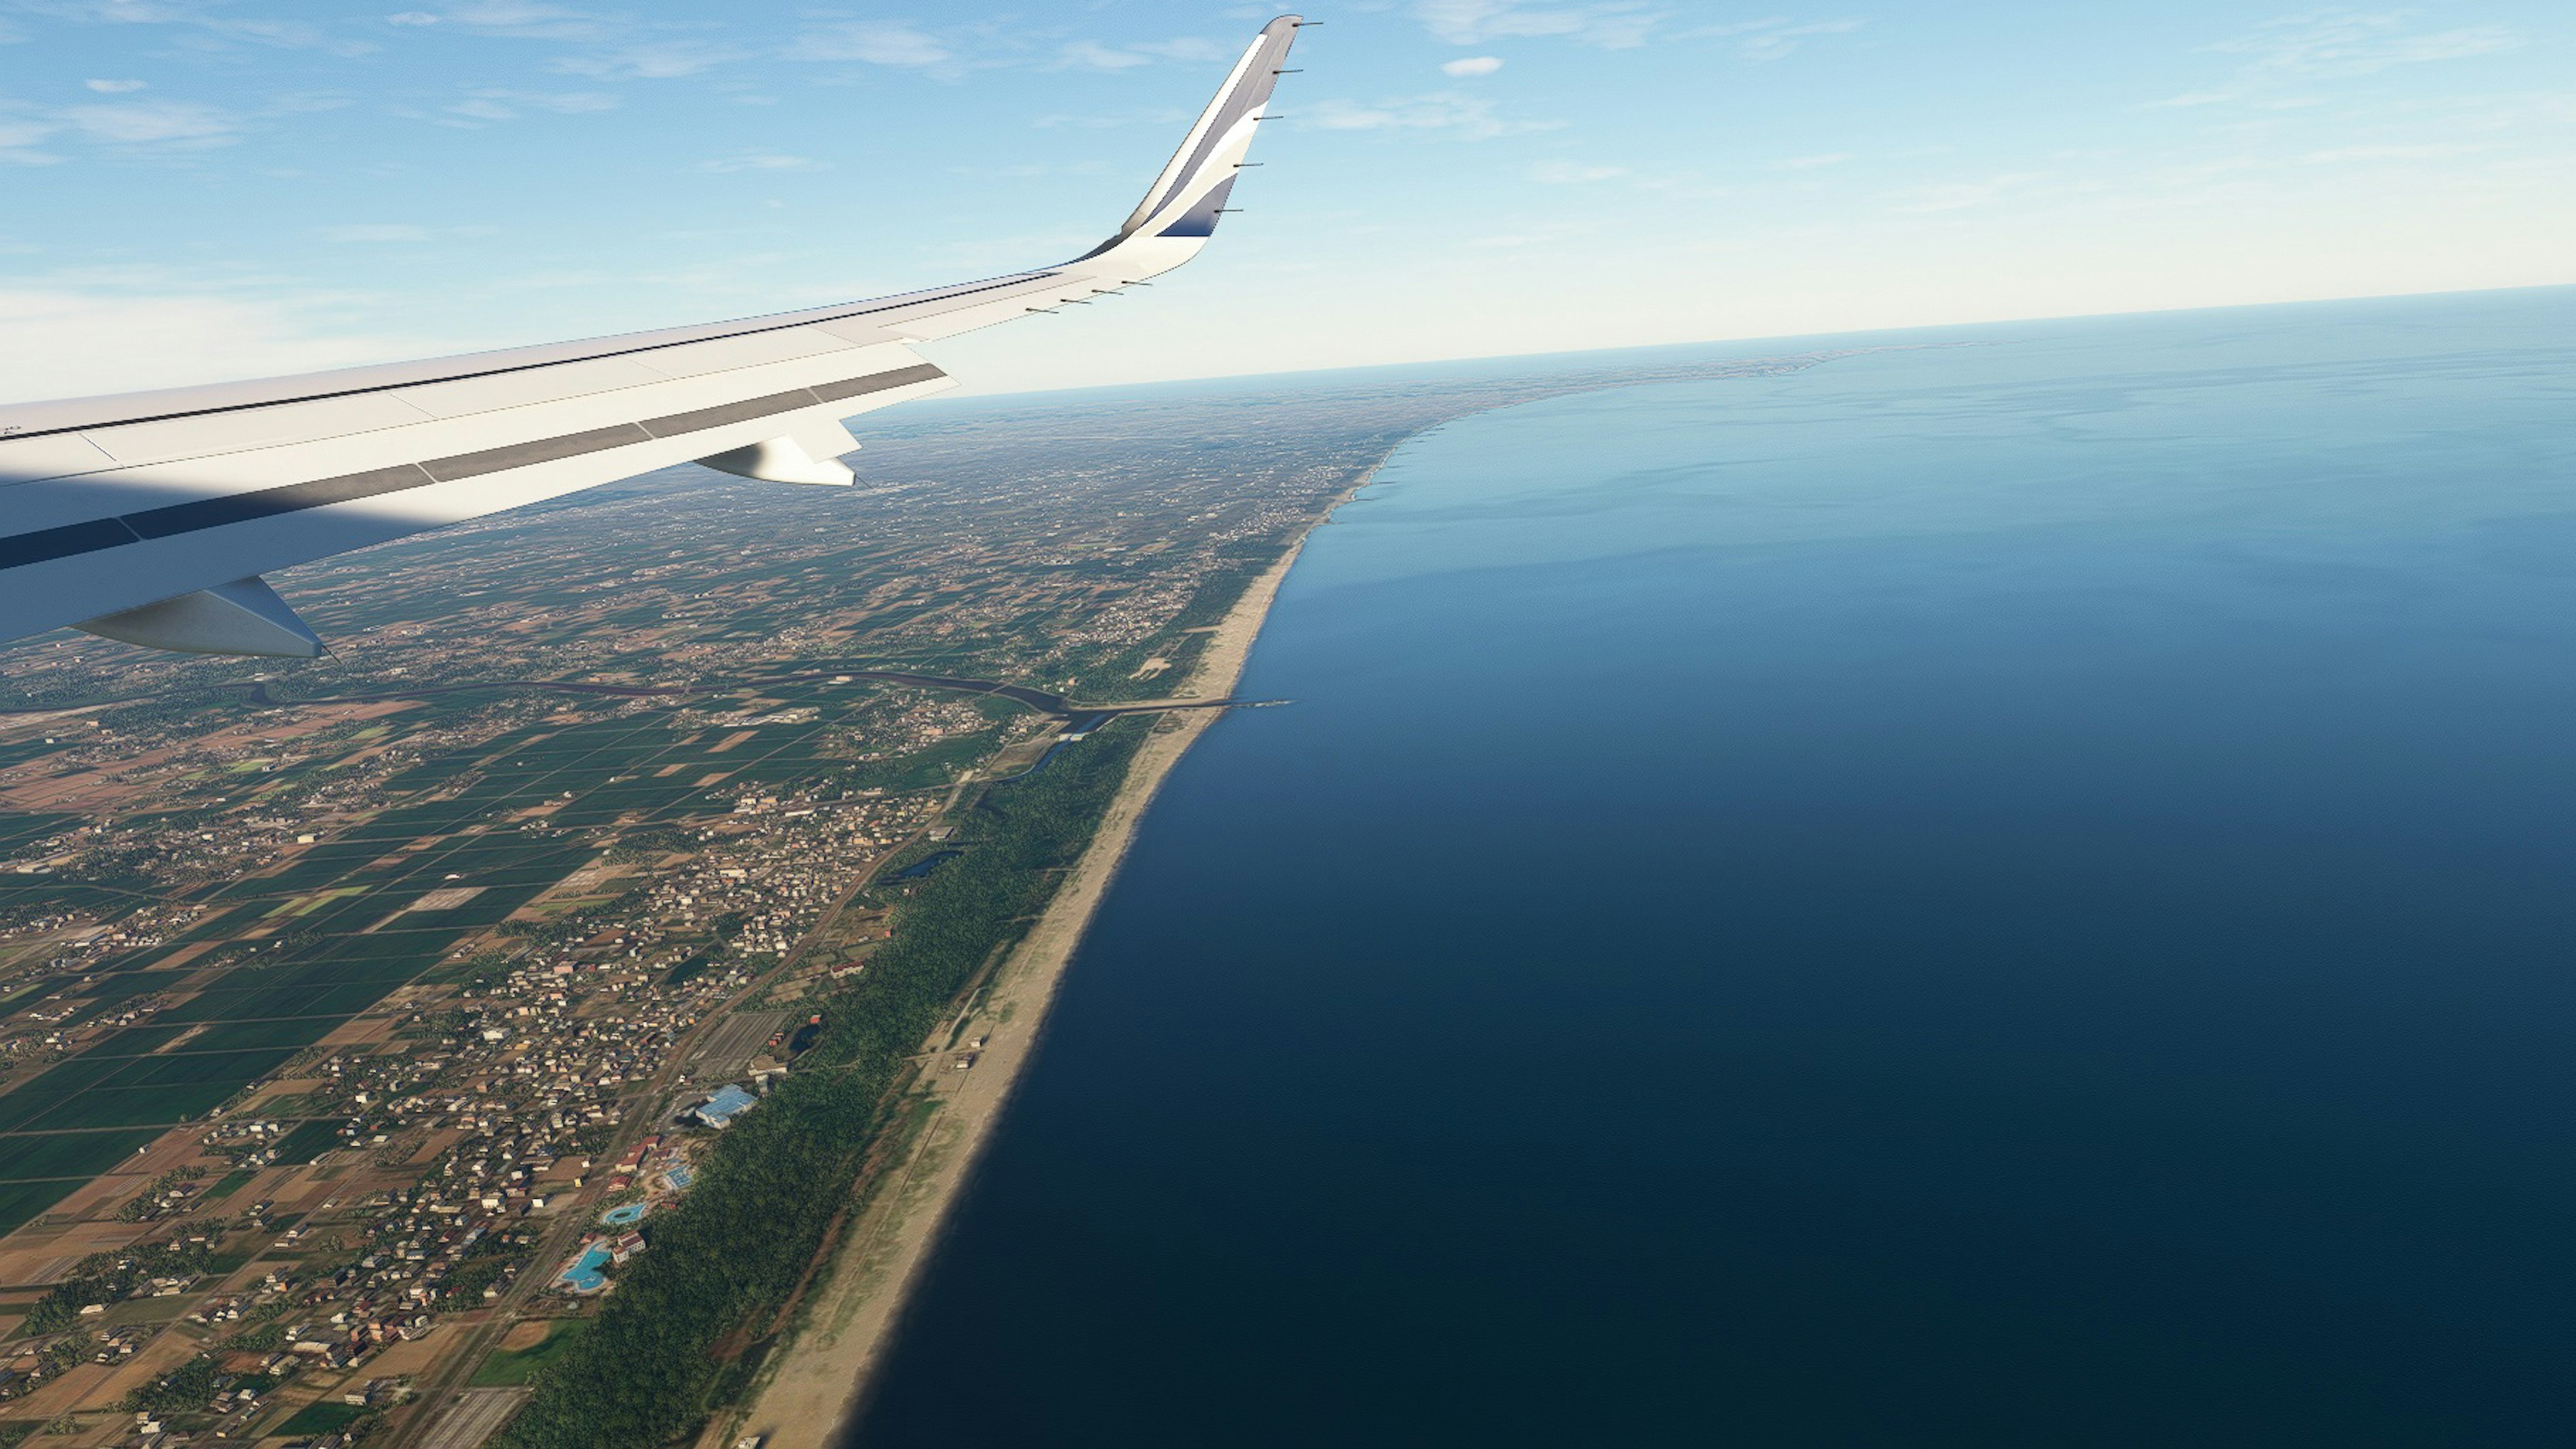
(515, 19)
(1765, 40)
(1962, 195)
(373, 233)
(2327, 45)
(874, 42)
(1811, 163)
(392, 233)
(1471, 65)
(19, 139)
(1572, 173)
(507, 105)
(66, 340)
(1611, 25)
(653, 60)
(153, 123)
(1468, 118)
(113, 87)
(765, 162)
(1110, 120)
(1093, 55)
(212, 22)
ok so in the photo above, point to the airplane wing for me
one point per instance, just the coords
(149, 517)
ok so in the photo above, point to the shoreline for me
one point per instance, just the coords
(811, 1391)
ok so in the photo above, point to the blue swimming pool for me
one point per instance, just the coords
(633, 1212)
(584, 1276)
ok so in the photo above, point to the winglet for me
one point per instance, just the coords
(1184, 201)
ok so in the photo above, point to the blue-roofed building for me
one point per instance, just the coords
(727, 1104)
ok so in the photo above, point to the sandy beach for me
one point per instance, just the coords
(809, 1390)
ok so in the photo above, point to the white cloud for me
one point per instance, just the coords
(1961, 195)
(505, 105)
(1472, 65)
(2328, 45)
(2345, 43)
(875, 42)
(210, 21)
(148, 123)
(765, 163)
(1775, 41)
(1469, 118)
(1611, 25)
(1111, 121)
(1185, 48)
(19, 138)
(67, 342)
(653, 60)
(515, 19)
(113, 87)
(388, 233)
(1092, 55)
(1569, 173)
(375, 234)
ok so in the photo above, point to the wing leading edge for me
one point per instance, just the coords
(149, 517)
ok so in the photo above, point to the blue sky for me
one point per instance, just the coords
(199, 189)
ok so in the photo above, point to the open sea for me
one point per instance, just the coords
(2019, 890)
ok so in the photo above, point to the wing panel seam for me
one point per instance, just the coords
(99, 534)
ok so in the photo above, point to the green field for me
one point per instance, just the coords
(309, 1140)
(321, 1418)
(512, 1367)
(67, 1154)
(24, 1202)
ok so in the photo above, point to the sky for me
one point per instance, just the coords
(195, 190)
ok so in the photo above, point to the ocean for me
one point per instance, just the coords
(2017, 888)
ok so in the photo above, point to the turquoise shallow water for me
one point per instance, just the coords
(1998, 894)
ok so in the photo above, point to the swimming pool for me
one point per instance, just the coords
(584, 1275)
(633, 1212)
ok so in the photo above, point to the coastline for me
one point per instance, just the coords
(809, 1393)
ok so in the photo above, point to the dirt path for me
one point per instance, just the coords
(813, 1386)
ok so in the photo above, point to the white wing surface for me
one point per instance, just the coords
(150, 516)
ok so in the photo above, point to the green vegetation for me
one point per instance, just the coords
(325, 1417)
(510, 1368)
(107, 1277)
(651, 843)
(261, 1338)
(141, 1205)
(485, 1266)
(184, 1388)
(309, 1140)
(684, 1330)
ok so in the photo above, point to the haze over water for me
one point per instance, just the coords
(2000, 895)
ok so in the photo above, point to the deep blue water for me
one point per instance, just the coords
(2014, 894)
